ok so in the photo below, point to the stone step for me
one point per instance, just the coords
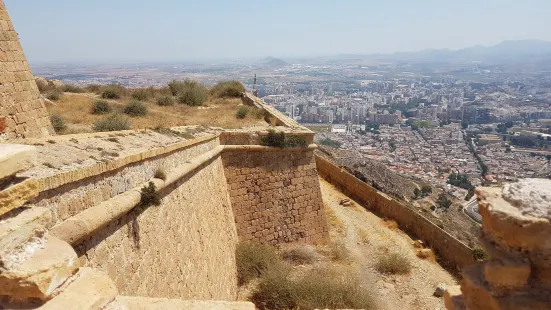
(15, 158)
(21, 228)
(144, 303)
(37, 268)
(90, 289)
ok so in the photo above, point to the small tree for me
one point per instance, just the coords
(443, 201)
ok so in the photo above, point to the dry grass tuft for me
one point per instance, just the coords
(334, 221)
(363, 236)
(253, 259)
(393, 263)
(392, 225)
(300, 254)
(339, 252)
(426, 254)
(320, 288)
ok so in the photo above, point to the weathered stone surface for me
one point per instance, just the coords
(453, 299)
(476, 294)
(17, 195)
(38, 269)
(91, 289)
(530, 196)
(15, 158)
(440, 289)
(16, 231)
(142, 303)
(507, 273)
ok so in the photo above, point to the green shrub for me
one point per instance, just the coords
(58, 123)
(253, 259)
(112, 91)
(54, 95)
(165, 101)
(113, 122)
(176, 87)
(71, 89)
(479, 254)
(273, 139)
(193, 96)
(135, 108)
(242, 112)
(149, 196)
(141, 94)
(280, 140)
(295, 141)
(393, 263)
(101, 107)
(225, 89)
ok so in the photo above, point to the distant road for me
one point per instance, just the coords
(471, 210)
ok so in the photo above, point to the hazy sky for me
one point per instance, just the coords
(171, 30)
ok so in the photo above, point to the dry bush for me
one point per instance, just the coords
(363, 236)
(58, 123)
(242, 112)
(339, 252)
(165, 101)
(426, 254)
(392, 225)
(334, 220)
(93, 88)
(141, 94)
(113, 122)
(54, 94)
(300, 254)
(318, 289)
(135, 108)
(225, 89)
(393, 263)
(253, 259)
(71, 89)
(160, 173)
(112, 91)
(101, 107)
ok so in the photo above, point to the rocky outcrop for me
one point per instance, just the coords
(516, 234)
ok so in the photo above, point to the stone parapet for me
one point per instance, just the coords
(516, 234)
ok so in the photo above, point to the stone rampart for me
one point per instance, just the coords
(22, 112)
(445, 245)
(275, 195)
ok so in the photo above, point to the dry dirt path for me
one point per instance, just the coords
(366, 237)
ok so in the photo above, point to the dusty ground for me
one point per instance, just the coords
(366, 236)
(75, 109)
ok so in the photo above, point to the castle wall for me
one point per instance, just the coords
(22, 111)
(448, 247)
(276, 196)
(183, 248)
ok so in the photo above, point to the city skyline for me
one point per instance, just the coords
(67, 31)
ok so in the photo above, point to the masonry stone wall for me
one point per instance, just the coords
(183, 248)
(22, 112)
(276, 196)
(448, 247)
(66, 199)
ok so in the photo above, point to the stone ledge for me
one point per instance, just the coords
(144, 303)
(91, 289)
(15, 158)
(17, 195)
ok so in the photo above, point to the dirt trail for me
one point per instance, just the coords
(366, 237)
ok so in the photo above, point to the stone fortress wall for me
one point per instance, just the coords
(22, 112)
(445, 245)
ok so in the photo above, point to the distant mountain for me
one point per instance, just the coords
(520, 50)
(273, 62)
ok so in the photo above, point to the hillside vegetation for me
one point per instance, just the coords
(115, 107)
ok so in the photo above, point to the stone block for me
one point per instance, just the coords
(507, 273)
(15, 158)
(38, 269)
(92, 289)
(18, 230)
